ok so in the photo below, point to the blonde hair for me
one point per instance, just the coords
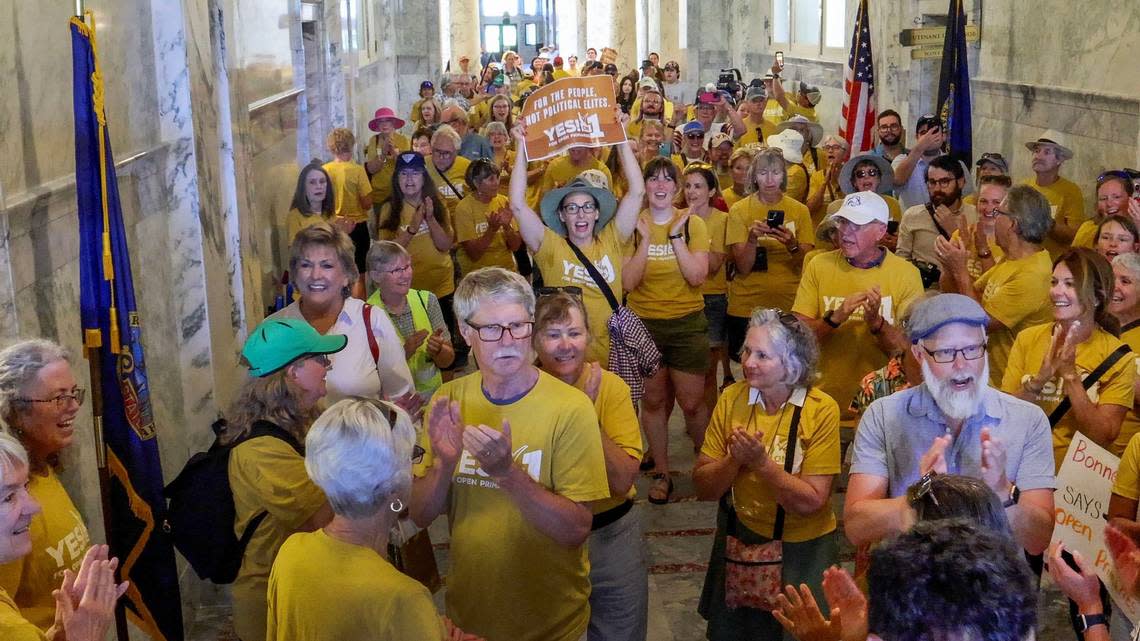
(341, 141)
(272, 398)
(383, 252)
(768, 159)
(325, 235)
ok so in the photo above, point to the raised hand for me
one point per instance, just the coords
(593, 381)
(799, 613)
(491, 447)
(993, 463)
(445, 429)
(435, 342)
(935, 458)
(748, 449)
(413, 342)
(848, 605)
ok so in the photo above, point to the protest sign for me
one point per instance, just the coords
(609, 56)
(572, 112)
(1084, 485)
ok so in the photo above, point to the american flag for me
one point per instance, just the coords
(858, 123)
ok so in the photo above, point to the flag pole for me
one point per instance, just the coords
(79, 8)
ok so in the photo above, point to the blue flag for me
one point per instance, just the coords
(133, 499)
(954, 87)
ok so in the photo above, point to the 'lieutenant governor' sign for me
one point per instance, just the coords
(571, 112)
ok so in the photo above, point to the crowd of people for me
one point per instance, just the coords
(503, 341)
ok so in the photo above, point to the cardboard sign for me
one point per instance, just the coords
(609, 56)
(1080, 502)
(571, 112)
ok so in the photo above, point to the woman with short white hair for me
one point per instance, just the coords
(759, 424)
(337, 582)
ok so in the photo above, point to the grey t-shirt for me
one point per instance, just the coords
(897, 430)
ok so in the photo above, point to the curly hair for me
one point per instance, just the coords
(951, 579)
(341, 141)
(272, 398)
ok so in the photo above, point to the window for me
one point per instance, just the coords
(491, 38)
(496, 8)
(810, 28)
(531, 33)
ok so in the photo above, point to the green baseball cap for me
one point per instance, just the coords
(277, 342)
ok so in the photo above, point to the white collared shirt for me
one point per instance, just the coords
(353, 371)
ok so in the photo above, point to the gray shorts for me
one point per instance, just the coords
(716, 309)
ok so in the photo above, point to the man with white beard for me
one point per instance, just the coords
(953, 423)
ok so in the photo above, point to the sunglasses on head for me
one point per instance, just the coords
(573, 290)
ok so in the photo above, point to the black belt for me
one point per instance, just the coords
(611, 515)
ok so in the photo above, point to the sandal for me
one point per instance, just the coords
(661, 489)
(647, 463)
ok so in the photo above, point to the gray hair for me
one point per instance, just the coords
(492, 283)
(358, 457)
(13, 456)
(20, 364)
(448, 132)
(383, 252)
(494, 127)
(1032, 212)
(1129, 261)
(795, 344)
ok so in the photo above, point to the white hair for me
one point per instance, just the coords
(13, 456)
(795, 344)
(358, 457)
(20, 364)
(492, 284)
(1129, 261)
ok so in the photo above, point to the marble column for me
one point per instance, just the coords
(623, 37)
(599, 26)
(464, 31)
(570, 31)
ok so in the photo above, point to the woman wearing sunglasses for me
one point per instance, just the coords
(39, 402)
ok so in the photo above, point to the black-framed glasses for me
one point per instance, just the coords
(867, 173)
(78, 395)
(573, 208)
(969, 352)
(491, 333)
(390, 415)
(573, 290)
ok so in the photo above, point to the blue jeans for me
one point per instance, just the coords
(619, 580)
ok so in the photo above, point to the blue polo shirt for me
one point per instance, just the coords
(897, 430)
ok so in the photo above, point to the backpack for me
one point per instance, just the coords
(200, 516)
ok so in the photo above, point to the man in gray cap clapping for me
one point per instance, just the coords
(953, 423)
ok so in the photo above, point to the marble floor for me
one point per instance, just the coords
(678, 536)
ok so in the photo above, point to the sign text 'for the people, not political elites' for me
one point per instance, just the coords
(572, 112)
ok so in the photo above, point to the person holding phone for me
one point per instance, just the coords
(767, 234)
(910, 166)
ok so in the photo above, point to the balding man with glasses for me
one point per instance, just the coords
(953, 423)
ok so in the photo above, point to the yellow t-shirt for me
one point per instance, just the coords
(266, 475)
(508, 580)
(349, 184)
(776, 287)
(716, 222)
(322, 588)
(850, 352)
(561, 171)
(295, 221)
(973, 263)
(59, 542)
(1016, 293)
(471, 223)
(797, 188)
(1067, 203)
(767, 128)
(382, 180)
(1114, 387)
(1127, 483)
(731, 197)
(431, 269)
(663, 291)
(1086, 234)
(455, 174)
(618, 421)
(816, 454)
(13, 626)
(560, 268)
(1131, 425)
(832, 193)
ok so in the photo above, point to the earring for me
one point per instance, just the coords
(396, 506)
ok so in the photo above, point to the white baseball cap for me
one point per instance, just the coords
(863, 207)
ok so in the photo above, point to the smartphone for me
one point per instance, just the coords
(892, 227)
(776, 218)
(665, 150)
(780, 59)
(761, 262)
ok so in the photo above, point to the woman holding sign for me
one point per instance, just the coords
(664, 278)
(579, 215)
(1075, 368)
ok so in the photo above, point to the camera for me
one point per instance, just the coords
(729, 81)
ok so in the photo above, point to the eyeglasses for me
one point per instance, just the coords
(61, 401)
(397, 270)
(867, 173)
(970, 353)
(573, 208)
(390, 415)
(894, 127)
(492, 333)
(833, 147)
(940, 182)
(573, 290)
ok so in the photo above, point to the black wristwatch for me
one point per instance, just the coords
(676, 237)
(1086, 621)
(1014, 496)
(831, 322)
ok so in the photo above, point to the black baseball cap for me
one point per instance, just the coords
(927, 121)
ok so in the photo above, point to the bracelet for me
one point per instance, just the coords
(1029, 386)
(794, 249)
(827, 318)
(676, 236)
(876, 330)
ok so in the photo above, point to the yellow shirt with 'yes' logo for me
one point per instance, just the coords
(663, 292)
(1016, 294)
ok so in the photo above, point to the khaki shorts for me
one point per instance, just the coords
(684, 341)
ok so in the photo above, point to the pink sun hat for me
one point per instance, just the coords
(384, 113)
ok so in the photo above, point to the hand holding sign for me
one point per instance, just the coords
(571, 112)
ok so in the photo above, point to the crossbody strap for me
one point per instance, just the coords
(934, 219)
(1059, 412)
(372, 344)
(789, 463)
(596, 275)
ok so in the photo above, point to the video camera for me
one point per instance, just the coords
(729, 81)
